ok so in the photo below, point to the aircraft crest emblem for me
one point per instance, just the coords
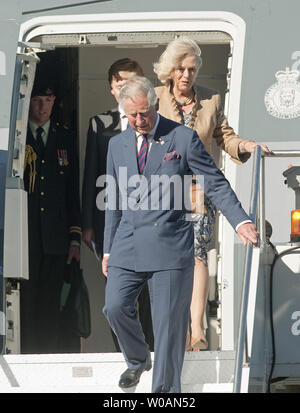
(282, 99)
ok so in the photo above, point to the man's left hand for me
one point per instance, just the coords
(247, 232)
(74, 252)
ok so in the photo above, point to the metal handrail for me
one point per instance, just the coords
(257, 193)
(247, 272)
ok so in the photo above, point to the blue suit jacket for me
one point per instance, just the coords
(153, 239)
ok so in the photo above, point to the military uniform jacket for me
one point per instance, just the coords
(101, 129)
(52, 183)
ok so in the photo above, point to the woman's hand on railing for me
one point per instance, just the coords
(248, 233)
(249, 146)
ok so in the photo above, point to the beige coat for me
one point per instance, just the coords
(210, 122)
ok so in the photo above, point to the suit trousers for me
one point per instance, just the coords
(144, 314)
(170, 297)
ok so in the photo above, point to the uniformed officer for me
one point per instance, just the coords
(101, 128)
(51, 178)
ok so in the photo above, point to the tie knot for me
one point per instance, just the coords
(145, 137)
(39, 131)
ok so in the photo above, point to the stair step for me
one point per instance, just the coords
(140, 388)
(99, 373)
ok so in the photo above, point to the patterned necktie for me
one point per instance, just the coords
(39, 140)
(142, 155)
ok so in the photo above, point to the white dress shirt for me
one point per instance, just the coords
(45, 132)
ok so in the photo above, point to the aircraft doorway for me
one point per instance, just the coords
(95, 97)
(83, 91)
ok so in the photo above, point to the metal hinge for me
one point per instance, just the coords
(36, 47)
(32, 48)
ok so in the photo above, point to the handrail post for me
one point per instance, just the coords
(262, 212)
(257, 188)
(247, 273)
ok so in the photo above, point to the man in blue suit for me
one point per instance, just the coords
(146, 241)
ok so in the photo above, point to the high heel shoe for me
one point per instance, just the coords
(199, 343)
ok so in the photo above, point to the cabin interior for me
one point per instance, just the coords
(83, 91)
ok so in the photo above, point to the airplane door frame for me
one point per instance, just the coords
(218, 21)
(15, 248)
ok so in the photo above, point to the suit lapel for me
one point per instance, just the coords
(50, 138)
(159, 148)
(129, 146)
(160, 145)
(51, 143)
(31, 141)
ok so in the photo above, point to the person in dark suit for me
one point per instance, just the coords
(51, 178)
(148, 239)
(101, 128)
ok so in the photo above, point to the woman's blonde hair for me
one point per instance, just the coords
(176, 51)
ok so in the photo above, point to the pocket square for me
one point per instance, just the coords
(171, 155)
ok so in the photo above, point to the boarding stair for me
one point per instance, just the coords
(251, 367)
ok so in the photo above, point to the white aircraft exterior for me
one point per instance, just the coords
(251, 53)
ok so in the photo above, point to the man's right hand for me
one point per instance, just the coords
(105, 265)
(88, 236)
(248, 233)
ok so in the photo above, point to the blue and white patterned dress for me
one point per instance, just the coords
(203, 223)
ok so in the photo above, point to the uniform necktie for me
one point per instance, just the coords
(142, 155)
(39, 140)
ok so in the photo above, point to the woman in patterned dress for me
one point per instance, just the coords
(199, 108)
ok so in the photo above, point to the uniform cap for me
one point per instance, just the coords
(43, 87)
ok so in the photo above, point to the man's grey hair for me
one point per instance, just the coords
(138, 86)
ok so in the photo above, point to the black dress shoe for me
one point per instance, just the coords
(131, 377)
